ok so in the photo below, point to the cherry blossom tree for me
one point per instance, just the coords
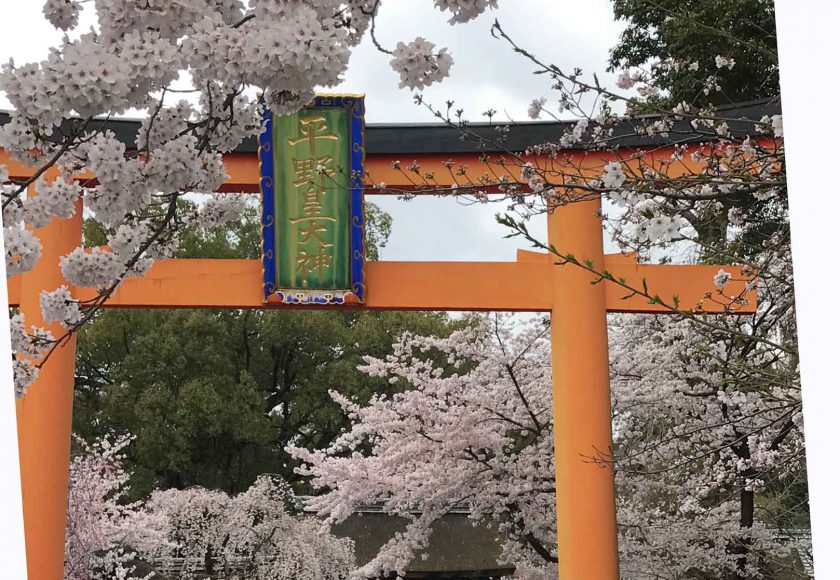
(190, 69)
(254, 535)
(104, 533)
(709, 453)
(473, 427)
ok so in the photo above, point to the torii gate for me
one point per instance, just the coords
(586, 521)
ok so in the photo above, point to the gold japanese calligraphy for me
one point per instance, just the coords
(312, 161)
(312, 177)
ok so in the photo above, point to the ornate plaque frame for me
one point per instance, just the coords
(355, 293)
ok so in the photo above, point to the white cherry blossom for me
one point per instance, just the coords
(418, 65)
(63, 14)
(54, 199)
(22, 250)
(465, 10)
(613, 177)
(59, 306)
(536, 107)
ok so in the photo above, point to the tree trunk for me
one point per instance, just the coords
(742, 548)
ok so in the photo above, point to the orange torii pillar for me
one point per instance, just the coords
(586, 521)
(45, 414)
(586, 526)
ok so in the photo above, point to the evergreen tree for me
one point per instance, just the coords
(698, 31)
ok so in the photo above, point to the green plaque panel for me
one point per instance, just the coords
(312, 199)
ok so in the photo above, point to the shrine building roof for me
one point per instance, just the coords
(431, 138)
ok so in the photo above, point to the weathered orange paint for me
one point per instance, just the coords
(13, 289)
(45, 414)
(586, 525)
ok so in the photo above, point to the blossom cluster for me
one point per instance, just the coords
(465, 10)
(22, 250)
(28, 345)
(63, 14)
(536, 107)
(418, 65)
(59, 306)
(57, 198)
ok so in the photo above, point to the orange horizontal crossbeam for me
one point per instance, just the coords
(437, 171)
(480, 286)
(244, 171)
(692, 284)
(184, 283)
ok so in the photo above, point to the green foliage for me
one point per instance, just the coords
(237, 240)
(213, 396)
(698, 31)
(242, 239)
(378, 225)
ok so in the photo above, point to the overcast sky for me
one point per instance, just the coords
(486, 74)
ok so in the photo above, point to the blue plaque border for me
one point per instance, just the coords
(355, 104)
